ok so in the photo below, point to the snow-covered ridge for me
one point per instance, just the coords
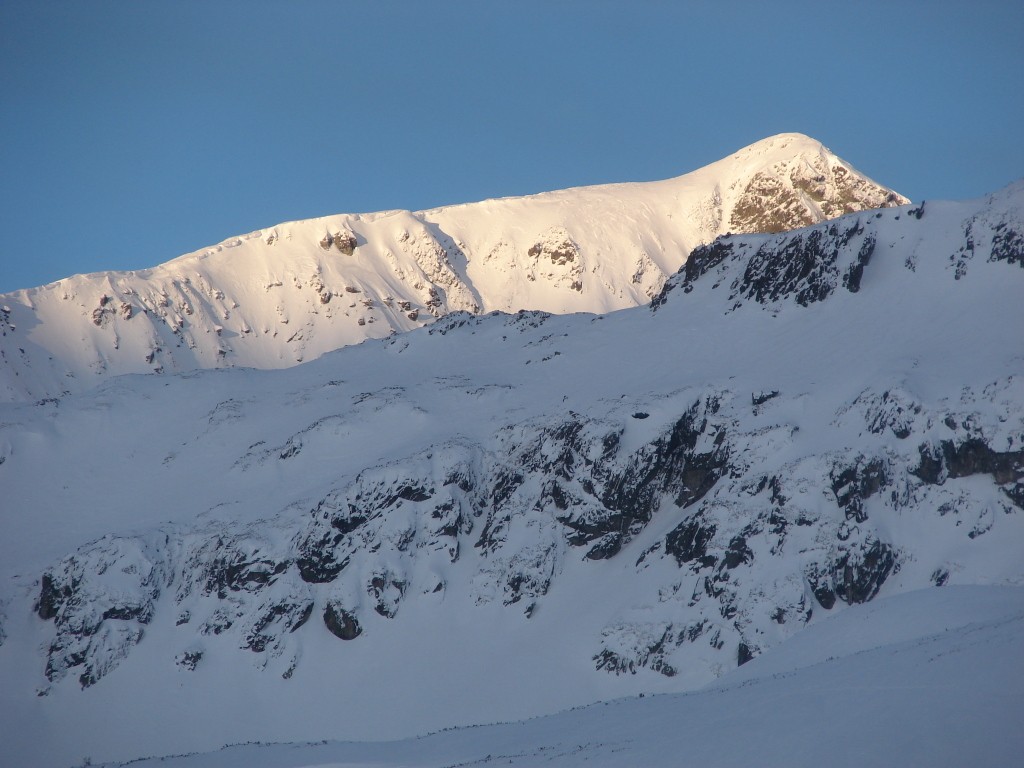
(290, 293)
(644, 500)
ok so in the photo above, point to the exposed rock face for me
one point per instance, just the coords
(344, 240)
(789, 196)
(810, 265)
(556, 258)
(605, 506)
(341, 623)
(100, 600)
(1007, 245)
(804, 267)
(969, 456)
(541, 497)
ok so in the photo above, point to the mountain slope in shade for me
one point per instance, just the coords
(277, 297)
(932, 677)
(505, 515)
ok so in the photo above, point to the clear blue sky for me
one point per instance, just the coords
(133, 132)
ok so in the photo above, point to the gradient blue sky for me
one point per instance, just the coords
(133, 132)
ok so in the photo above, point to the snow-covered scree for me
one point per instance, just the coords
(499, 516)
(279, 296)
(932, 677)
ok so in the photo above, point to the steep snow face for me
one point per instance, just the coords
(497, 516)
(279, 296)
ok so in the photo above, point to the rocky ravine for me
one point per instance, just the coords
(279, 296)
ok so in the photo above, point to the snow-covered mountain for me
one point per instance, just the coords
(500, 516)
(279, 296)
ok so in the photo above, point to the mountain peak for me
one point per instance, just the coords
(279, 296)
(790, 143)
(791, 180)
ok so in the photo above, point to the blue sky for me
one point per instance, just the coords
(133, 132)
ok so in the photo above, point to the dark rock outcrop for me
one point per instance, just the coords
(688, 542)
(550, 493)
(341, 623)
(967, 457)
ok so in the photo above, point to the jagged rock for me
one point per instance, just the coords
(738, 552)
(803, 265)
(387, 591)
(702, 260)
(341, 623)
(100, 600)
(688, 542)
(972, 456)
(318, 562)
(560, 251)
(616, 500)
(639, 647)
(189, 659)
(806, 268)
(856, 574)
(854, 273)
(528, 574)
(273, 620)
(345, 241)
(770, 204)
(1007, 245)
(227, 565)
(859, 574)
(853, 484)
(743, 654)
(556, 258)
(893, 410)
(50, 598)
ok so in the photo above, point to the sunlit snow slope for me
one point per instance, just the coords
(500, 516)
(276, 297)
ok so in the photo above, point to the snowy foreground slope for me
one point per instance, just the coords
(933, 677)
(496, 517)
(276, 297)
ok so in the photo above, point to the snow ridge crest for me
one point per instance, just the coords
(288, 294)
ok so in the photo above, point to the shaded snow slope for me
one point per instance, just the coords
(932, 677)
(501, 516)
(290, 293)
